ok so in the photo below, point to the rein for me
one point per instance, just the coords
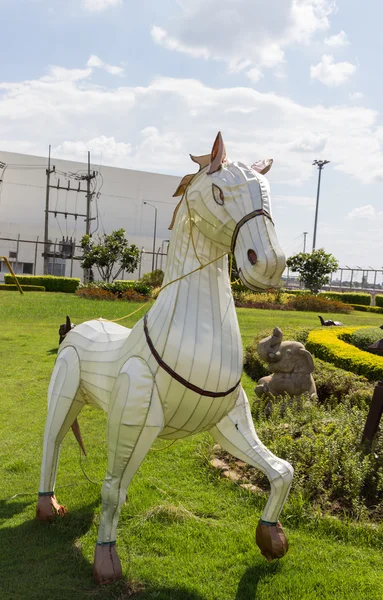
(177, 377)
(255, 213)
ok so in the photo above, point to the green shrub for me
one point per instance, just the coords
(49, 282)
(286, 301)
(363, 338)
(308, 302)
(98, 293)
(379, 300)
(336, 386)
(9, 287)
(238, 286)
(322, 442)
(349, 297)
(372, 309)
(296, 292)
(142, 288)
(154, 278)
(328, 344)
(117, 289)
(269, 300)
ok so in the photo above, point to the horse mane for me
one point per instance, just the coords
(203, 161)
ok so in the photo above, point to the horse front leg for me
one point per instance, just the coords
(135, 419)
(63, 408)
(236, 434)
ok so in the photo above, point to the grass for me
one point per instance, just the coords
(185, 533)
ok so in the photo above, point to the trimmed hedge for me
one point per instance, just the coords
(49, 282)
(308, 302)
(296, 292)
(349, 297)
(363, 338)
(379, 300)
(8, 287)
(372, 309)
(328, 345)
(118, 288)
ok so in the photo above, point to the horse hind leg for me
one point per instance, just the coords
(135, 420)
(63, 408)
(236, 434)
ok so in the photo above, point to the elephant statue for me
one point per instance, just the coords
(291, 366)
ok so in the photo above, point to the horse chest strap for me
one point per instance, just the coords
(177, 377)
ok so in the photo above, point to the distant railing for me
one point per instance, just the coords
(66, 252)
(66, 255)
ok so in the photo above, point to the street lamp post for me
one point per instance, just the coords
(320, 164)
(154, 233)
(304, 241)
(162, 249)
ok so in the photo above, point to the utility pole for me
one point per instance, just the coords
(320, 164)
(46, 228)
(88, 177)
(88, 198)
(88, 275)
(304, 241)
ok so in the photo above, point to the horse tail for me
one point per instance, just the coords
(77, 435)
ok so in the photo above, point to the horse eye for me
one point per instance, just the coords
(218, 195)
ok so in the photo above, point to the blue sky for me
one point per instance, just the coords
(143, 84)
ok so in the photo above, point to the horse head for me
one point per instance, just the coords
(229, 203)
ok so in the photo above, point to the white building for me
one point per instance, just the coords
(117, 202)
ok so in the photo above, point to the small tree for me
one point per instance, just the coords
(314, 269)
(110, 254)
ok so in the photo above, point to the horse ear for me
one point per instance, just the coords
(263, 166)
(218, 154)
(202, 161)
(183, 185)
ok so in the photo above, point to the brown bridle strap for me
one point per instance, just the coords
(256, 213)
(177, 377)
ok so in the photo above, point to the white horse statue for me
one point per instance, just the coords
(178, 371)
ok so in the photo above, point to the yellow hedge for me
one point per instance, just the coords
(328, 345)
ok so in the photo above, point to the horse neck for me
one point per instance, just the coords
(209, 286)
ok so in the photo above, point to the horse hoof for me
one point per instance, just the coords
(48, 507)
(107, 566)
(271, 540)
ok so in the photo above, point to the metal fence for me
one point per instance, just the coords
(345, 279)
(26, 257)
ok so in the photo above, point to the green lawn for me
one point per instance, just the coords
(185, 533)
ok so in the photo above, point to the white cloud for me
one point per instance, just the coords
(62, 74)
(309, 143)
(245, 34)
(335, 41)
(161, 37)
(95, 61)
(158, 125)
(305, 201)
(365, 212)
(254, 74)
(356, 96)
(100, 5)
(332, 73)
(105, 148)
